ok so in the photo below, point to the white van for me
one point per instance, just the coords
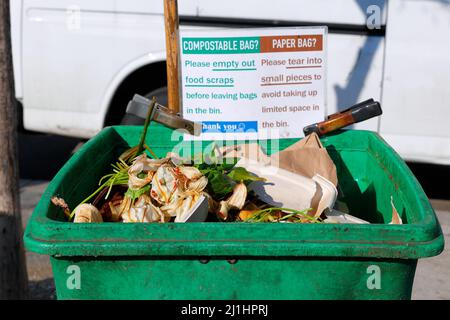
(78, 62)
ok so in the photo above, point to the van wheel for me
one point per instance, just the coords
(161, 97)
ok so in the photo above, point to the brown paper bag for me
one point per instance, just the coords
(306, 157)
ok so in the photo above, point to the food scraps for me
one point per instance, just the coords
(164, 190)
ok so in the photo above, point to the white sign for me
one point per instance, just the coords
(253, 83)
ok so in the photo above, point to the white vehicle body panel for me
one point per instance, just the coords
(77, 70)
(16, 45)
(416, 95)
(66, 77)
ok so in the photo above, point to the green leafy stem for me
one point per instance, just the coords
(265, 215)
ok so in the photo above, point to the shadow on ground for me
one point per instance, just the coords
(42, 290)
(430, 176)
(42, 155)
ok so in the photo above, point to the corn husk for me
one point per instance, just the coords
(164, 185)
(192, 173)
(86, 213)
(143, 211)
(235, 201)
(146, 165)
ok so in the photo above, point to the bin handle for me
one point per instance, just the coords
(357, 113)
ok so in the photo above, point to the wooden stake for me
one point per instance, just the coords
(173, 54)
(13, 274)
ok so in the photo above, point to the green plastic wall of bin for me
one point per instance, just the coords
(241, 260)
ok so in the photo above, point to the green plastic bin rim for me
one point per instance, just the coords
(408, 241)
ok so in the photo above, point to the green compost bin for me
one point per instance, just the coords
(241, 260)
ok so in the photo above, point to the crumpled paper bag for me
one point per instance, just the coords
(307, 157)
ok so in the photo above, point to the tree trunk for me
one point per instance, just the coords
(13, 276)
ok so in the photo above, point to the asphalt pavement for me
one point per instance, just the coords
(41, 156)
(432, 280)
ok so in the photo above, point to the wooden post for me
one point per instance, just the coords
(173, 54)
(13, 276)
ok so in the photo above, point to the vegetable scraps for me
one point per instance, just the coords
(144, 188)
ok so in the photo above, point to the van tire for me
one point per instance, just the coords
(144, 81)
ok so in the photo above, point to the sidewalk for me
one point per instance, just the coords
(432, 279)
(40, 275)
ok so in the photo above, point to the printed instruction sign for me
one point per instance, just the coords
(253, 83)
